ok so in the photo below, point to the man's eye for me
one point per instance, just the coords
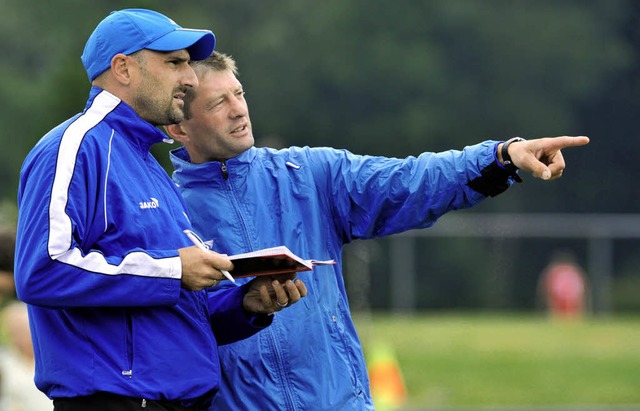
(215, 105)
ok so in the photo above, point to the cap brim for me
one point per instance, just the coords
(199, 43)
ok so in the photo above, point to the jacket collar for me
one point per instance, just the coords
(185, 170)
(127, 122)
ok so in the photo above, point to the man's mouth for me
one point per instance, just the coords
(239, 129)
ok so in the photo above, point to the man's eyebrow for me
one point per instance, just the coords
(179, 58)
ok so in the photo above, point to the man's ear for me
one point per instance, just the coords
(120, 67)
(176, 132)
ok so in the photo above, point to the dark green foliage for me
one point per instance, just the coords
(380, 77)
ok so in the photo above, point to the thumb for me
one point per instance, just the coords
(546, 173)
(537, 169)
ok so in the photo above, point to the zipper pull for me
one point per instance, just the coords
(225, 172)
(144, 403)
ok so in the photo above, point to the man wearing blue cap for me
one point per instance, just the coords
(119, 313)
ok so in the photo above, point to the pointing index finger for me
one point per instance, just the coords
(567, 141)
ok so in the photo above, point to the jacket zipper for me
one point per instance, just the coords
(235, 206)
(225, 172)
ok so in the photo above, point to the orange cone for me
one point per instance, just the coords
(386, 382)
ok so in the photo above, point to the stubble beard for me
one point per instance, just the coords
(173, 115)
(158, 112)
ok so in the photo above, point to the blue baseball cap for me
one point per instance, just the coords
(130, 30)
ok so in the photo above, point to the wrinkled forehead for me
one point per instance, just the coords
(220, 82)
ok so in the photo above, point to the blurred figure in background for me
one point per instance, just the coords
(7, 250)
(564, 287)
(18, 392)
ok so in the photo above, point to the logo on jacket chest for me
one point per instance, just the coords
(150, 204)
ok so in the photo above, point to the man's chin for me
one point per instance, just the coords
(245, 143)
(176, 116)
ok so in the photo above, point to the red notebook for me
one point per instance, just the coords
(275, 260)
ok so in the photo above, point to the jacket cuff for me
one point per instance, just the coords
(229, 321)
(494, 179)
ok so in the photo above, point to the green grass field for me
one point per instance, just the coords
(519, 360)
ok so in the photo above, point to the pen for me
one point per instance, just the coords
(201, 245)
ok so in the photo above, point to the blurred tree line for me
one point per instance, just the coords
(378, 77)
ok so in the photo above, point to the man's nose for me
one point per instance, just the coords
(238, 107)
(190, 78)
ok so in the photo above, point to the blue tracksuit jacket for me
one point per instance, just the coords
(100, 223)
(314, 200)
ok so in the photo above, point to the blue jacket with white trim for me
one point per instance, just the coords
(314, 201)
(99, 226)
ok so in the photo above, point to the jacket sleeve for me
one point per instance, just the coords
(375, 196)
(59, 261)
(229, 321)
